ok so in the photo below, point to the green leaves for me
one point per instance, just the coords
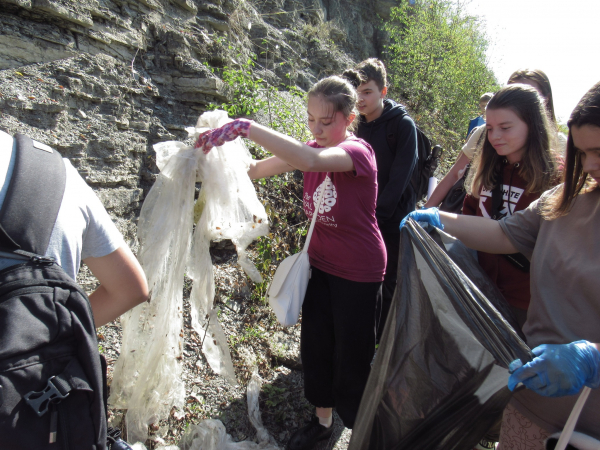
(438, 63)
(251, 94)
(273, 395)
(244, 87)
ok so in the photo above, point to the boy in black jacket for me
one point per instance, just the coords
(396, 197)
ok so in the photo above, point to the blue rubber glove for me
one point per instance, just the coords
(429, 215)
(559, 370)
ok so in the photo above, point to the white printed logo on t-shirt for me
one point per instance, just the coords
(486, 199)
(329, 196)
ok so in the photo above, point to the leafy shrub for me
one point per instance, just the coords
(438, 65)
(284, 111)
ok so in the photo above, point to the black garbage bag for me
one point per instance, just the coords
(439, 378)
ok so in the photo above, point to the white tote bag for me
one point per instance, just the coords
(286, 292)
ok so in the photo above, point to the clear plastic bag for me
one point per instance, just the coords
(210, 434)
(147, 377)
(230, 210)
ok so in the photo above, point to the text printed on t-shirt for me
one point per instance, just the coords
(485, 199)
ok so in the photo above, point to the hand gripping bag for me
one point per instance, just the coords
(288, 287)
(439, 379)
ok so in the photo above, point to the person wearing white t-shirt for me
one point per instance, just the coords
(85, 232)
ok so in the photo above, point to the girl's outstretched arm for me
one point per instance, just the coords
(478, 233)
(286, 149)
(299, 155)
(268, 167)
(468, 151)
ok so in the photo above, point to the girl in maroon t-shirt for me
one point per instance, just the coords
(347, 253)
(517, 154)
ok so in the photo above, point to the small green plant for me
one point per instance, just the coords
(273, 395)
(279, 350)
(244, 86)
(251, 334)
(254, 332)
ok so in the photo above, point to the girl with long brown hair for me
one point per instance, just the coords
(512, 169)
(532, 77)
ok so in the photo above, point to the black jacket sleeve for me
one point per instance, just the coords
(403, 164)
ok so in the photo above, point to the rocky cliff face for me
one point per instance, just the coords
(104, 80)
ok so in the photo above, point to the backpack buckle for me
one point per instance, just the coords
(43, 260)
(40, 401)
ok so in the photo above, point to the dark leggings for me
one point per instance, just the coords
(338, 341)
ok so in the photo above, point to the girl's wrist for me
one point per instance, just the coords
(243, 127)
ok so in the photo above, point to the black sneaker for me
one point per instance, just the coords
(306, 437)
(114, 441)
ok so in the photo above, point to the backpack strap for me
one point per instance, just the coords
(497, 194)
(518, 260)
(33, 198)
(391, 131)
(497, 201)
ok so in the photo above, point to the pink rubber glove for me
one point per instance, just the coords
(226, 133)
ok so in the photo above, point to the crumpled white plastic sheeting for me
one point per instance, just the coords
(147, 376)
(230, 210)
(210, 434)
(265, 440)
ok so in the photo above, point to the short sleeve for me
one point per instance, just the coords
(362, 157)
(471, 144)
(101, 236)
(522, 227)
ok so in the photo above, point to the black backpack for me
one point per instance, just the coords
(52, 379)
(428, 161)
